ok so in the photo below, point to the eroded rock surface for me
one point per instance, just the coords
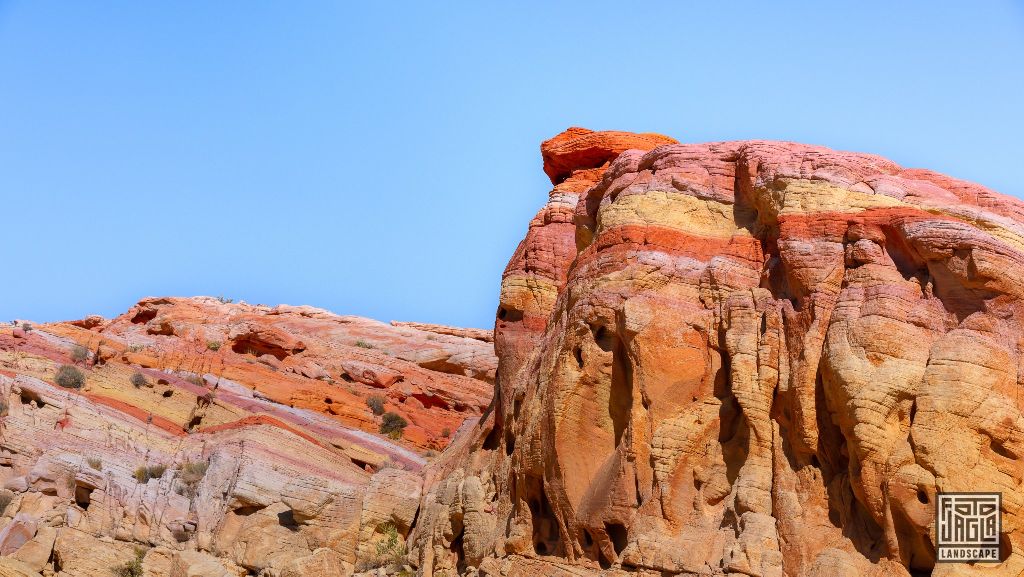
(756, 358)
(221, 439)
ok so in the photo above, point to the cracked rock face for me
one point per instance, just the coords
(755, 358)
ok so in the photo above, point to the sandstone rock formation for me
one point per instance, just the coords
(216, 438)
(756, 358)
(739, 358)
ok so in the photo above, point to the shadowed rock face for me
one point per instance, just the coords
(758, 358)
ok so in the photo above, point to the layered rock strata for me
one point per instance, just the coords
(757, 358)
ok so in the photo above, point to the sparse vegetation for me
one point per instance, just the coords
(79, 354)
(393, 425)
(376, 404)
(446, 432)
(364, 345)
(224, 300)
(27, 327)
(213, 345)
(197, 380)
(144, 473)
(131, 568)
(390, 550)
(95, 463)
(135, 348)
(190, 473)
(69, 377)
(139, 380)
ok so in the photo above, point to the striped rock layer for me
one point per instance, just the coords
(222, 439)
(756, 358)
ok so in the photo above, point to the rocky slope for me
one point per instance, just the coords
(223, 439)
(756, 358)
(750, 358)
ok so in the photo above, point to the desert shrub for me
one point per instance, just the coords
(146, 472)
(393, 425)
(446, 432)
(193, 471)
(5, 499)
(135, 348)
(131, 568)
(197, 380)
(79, 354)
(213, 345)
(139, 380)
(27, 327)
(376, 404)
(69, 377)
(224, 300)
(390, 550)
(364, 345)
(190, 473)
(95, 462)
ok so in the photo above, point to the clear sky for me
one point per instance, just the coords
(381, 158)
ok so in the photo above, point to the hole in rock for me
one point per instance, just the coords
(922, 496)
(620, 398)
(546, 534)
(144, 316)
(167, 394)
(509, 314)
(246, 510)
(578, 353)
(195, 421)
(328, 401)
(29, 396)
(83, 496)
(617, 533)
(604, 338)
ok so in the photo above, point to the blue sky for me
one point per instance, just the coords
(382, 159)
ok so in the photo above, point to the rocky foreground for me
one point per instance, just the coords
(751, 358)
(223, 439)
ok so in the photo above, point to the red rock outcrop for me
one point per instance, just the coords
(224, 439)
(756, 358)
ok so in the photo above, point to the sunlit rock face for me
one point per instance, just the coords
(757, 358)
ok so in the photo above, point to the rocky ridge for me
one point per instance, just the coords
(222, 438)
(752, 358)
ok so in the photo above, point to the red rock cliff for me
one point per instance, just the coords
(758, 358)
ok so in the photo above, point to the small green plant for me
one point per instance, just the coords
(79, 354)
(5, 499)
(131, 568)
(197, 380)
(144, 473)
(224, 300)
(135, 348)
(95, 463)
(138, 380)
(213, 345)
(446, 432)
(27, 327)
(69, 377)
(364, 345)
(391, 549)
(393, 425)
(376, 404)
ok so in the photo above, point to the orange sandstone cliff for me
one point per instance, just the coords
(751, 358)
